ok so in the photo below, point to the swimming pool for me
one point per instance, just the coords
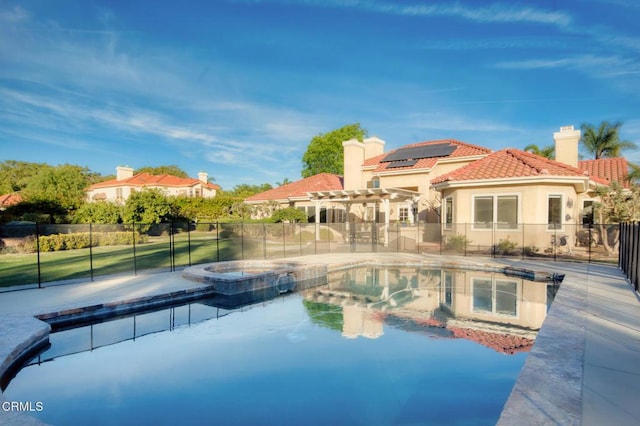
(393, 345)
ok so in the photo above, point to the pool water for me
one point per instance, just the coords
(372, 347)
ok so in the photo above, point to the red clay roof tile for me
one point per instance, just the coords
(299, 188)
(146, 179)
(510, 163)
(609, 169)
(7, 200)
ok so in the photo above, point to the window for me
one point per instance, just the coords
(506, 297)
(118, 193)
(507, 212)
(501, 209)
(554, 212)
(374, 183)
(448, 212)
(403, 214)
(495, 296)
(483, 212)
(482, 295)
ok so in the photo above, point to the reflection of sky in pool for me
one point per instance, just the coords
(268, 364)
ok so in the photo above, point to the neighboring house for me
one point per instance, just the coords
(126, 182)
(8, 200)
(494, 198)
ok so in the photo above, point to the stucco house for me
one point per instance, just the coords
(377, 186)
(457, 188)
(119, 189)
(516, 196)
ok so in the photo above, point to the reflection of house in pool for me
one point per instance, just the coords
(500, 312)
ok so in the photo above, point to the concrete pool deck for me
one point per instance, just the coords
(583, 369)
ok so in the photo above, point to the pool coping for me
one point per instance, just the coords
(548, 389)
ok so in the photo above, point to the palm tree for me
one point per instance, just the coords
(604, 142)
(546, 152)
(284, 182)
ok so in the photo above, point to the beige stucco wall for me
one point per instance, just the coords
(111, 192)
(532, 212)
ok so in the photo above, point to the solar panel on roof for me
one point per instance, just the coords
(418, 152)
(401, 163)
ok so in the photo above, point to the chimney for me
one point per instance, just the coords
(203, 176)
(567, 145)
(373, 146)
(123, 172)
(353, 151)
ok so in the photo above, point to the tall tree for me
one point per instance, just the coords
(546, 152)
(245, 190)
(324, 153)
(147, 206)
(604, 141)
(163, 170)
(63, 184)
(15, 175)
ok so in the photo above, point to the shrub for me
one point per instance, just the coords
(505, 247)
(78, 240)
(457, 242)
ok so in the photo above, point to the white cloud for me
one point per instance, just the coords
(14, 15)
(598, 66)
(488, 14)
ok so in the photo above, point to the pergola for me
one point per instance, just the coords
(379, 197)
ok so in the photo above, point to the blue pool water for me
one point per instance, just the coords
(372, 348)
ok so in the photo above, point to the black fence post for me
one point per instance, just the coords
(300, 237)
(91, 251)
(636, 255)
(133, 230)
(217, 241)
(172, 249)
(242, 240)
(589, 227)
(264, 240)
(465, 242)
(189, 242)
(38, 255)
(632, 253)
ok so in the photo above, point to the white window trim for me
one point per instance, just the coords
(561, 228)
(494, 282)
(495, 211)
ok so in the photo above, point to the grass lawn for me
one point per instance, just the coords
(19, 269)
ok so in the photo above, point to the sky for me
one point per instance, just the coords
(238, 88)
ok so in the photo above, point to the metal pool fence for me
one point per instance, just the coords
(629, 259)
(32, 255)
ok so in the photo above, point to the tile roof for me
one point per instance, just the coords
(146, 179)
(299, 188)
(609, 169)
(7, 200)
(463, 149)
(510, 163)
(500, 342)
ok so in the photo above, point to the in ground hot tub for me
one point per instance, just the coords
(238, 277)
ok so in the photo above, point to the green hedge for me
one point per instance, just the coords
(80, 240)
